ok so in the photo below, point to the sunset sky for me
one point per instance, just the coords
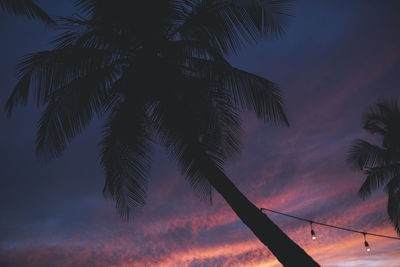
(337, 58)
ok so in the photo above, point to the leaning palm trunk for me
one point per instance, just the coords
(285, 250)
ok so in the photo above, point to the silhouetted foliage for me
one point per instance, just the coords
(151, 69)
(27, 8)
(158, 68)
(381, 164)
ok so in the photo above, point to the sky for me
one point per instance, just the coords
(336, 59)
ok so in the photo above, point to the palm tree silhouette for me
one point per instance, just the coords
(26, 8)
(158, 70)
(381, 164)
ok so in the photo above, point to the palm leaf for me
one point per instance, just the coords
(71, 108)
(88, 6)
(140, 18)
(247, 91)
(376, 177)
(199, 129)
(125, 157)
(26, 8)
(196, 164)
(184, 50)
(364, 155)
(378, 117)
(230, 25)
(393, 206)
(80, 32)
(45, 72)
(226, 126)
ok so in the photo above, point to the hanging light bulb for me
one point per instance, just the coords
(367, 247)
(313, 236)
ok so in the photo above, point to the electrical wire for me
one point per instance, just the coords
(328, 225)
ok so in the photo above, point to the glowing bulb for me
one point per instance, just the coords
(367, 247)
(313, 237)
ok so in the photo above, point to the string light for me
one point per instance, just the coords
(313, 236)
(367, 247)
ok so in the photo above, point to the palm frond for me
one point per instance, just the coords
(88, 7)
(230, 25)
(247, 91)
(71, 108)
(184, 50)
(363, 155)
(125, 157)
(244, 90)
(198, 133)
(393, 206)
(256, 93)
(80, 32)
(27, 8)
(139, 18)
(379, 116)
(376, 177)
(74, 29)
(195, 163)
(226, 127)
(45, 72)
(19, 96)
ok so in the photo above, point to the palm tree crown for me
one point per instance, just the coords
(151, 70)
(381, 164)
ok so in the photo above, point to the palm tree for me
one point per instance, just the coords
(381, 164)
(158, 70)
(26, 8)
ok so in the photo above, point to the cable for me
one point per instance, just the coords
(328, 225)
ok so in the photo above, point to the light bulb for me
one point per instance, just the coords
(313, 237)
(367, 247)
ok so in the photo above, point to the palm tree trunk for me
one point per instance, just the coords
(284, 249)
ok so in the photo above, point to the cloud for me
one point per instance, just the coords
(298, 170)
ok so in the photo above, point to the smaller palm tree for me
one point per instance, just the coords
(381, 164)
(26, 8)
